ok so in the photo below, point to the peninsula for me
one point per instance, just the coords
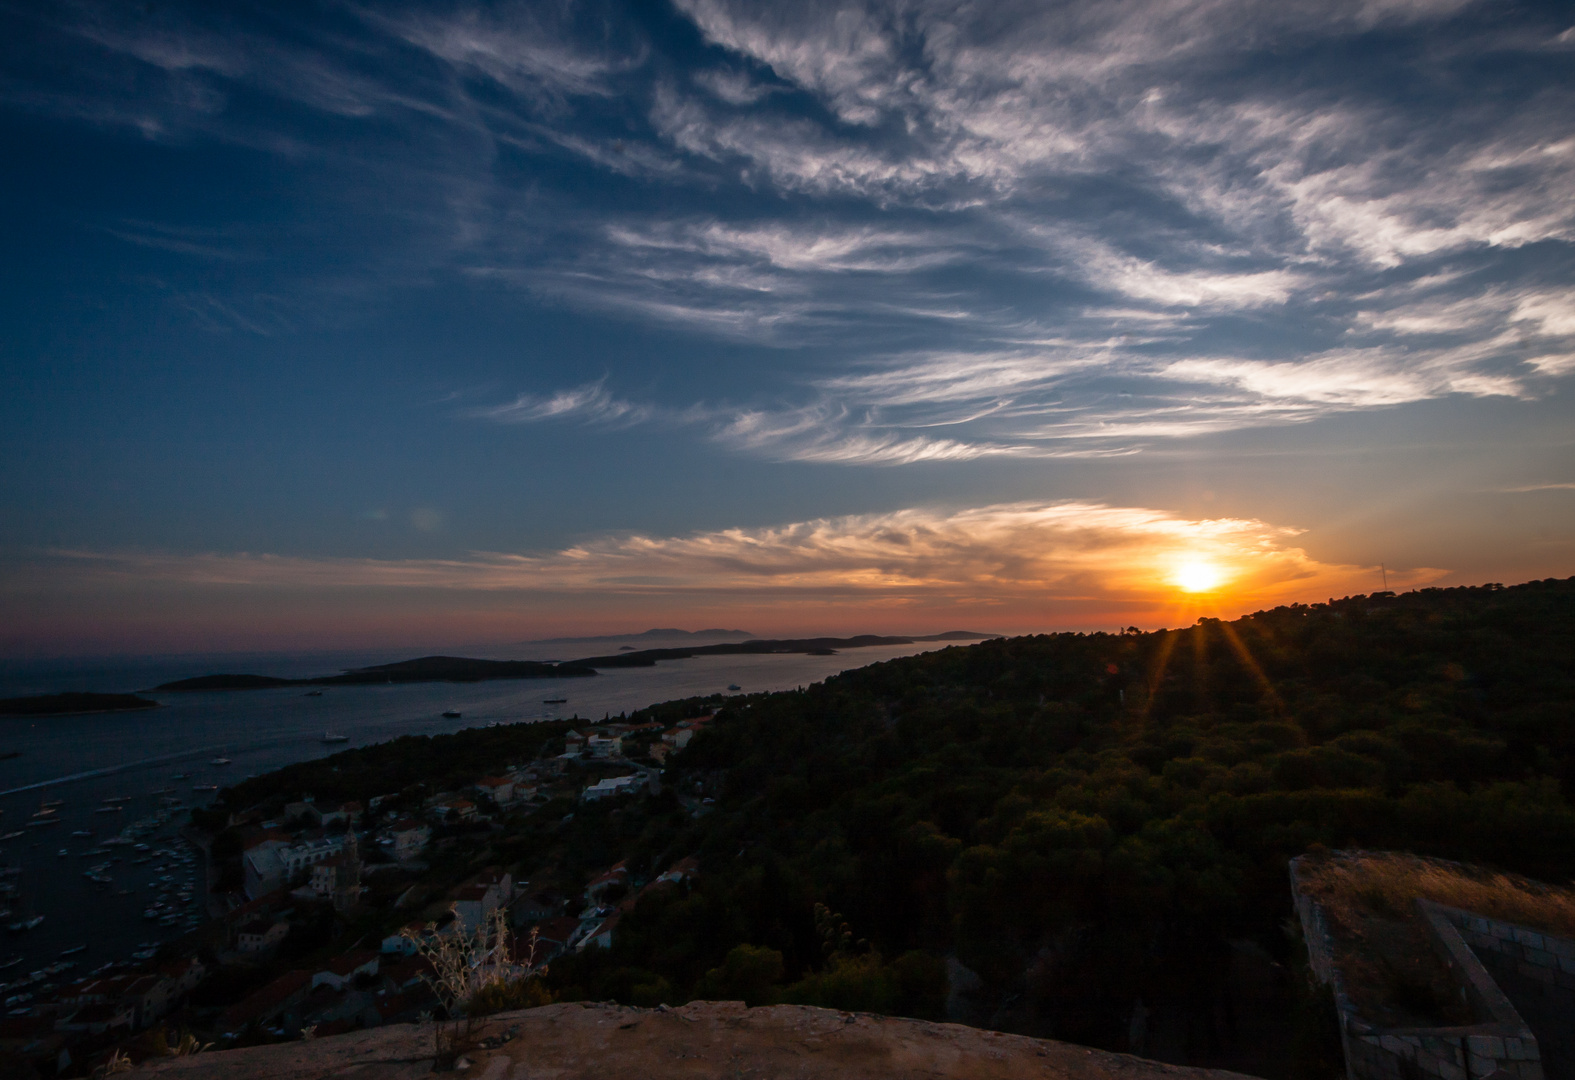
(463, 669)
(62, 704)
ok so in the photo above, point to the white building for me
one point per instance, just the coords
(613, 785)
(272, 864)
(261, 935)
(481, 898)
(410, 837)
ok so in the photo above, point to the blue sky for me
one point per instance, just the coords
(447, 323)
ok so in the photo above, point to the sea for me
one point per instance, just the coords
(83, 792)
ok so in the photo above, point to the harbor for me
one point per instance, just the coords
(93, 807)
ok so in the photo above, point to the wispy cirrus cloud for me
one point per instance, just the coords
(1034, 225)
(590, 402)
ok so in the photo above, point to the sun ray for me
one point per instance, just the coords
(1167, 646)
(1250, 662)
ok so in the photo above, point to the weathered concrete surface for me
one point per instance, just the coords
(699, 1040)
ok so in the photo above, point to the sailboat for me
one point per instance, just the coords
(23, 925)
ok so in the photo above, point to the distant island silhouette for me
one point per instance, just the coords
(63, 704)
(655, 632)
(464, 669)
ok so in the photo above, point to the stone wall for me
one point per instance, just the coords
(1536, 971)
(1498, 1044)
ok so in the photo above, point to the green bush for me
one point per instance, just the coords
(749, 974)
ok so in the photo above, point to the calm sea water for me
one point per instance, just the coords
(150, 758)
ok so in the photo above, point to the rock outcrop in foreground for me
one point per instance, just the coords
(702, 1039)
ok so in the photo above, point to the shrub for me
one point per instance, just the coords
(748, 974)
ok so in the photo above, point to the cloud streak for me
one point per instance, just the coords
(999, 555)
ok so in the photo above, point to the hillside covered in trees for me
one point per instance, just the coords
(1087, 820)
(1067, 834)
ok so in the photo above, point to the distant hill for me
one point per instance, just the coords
(422, 669)
(658, 632)
(63, 704)
(464, 669)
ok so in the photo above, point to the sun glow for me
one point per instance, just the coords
(1197, 576)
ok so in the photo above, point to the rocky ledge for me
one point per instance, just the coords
(700, 1040)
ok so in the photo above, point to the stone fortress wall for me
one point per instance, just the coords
(1500, 1044)
(1536, 971)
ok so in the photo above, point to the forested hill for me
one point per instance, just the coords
(1085, 820)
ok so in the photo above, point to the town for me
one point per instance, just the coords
(317, 906)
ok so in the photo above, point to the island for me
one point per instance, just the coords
(464, 669)
(422, 669)
(63, 704)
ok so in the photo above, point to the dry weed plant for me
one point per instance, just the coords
(465, 964)
(1388, 884)
(186, 1047)
(116, 1063)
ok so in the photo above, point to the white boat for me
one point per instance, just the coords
(330, 737)
(220, 761)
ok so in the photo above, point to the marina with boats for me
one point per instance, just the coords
(114, 791)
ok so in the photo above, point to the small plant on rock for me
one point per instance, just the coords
(474, 973)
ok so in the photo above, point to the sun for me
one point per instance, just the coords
(1198, 576)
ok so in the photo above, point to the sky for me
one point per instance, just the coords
(331, 325)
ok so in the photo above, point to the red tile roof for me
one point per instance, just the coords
(348, 962)
(265, 1001)
(402, 973)
(557, 931)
